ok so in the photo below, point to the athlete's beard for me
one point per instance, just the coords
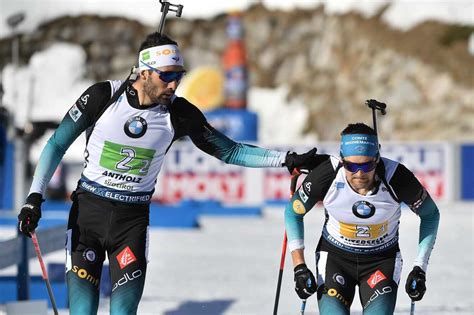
(154, 95)
(363, 181)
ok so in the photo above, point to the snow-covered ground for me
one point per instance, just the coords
(230, 266)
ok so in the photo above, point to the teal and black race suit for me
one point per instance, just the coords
(126, 143)
(359, 241)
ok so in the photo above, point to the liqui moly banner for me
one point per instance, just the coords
(189, 173)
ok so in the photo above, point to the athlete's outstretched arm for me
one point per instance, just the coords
(225, 149)
(190, 121)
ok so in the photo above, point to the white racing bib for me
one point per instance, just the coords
(125, 151)
(361, 224)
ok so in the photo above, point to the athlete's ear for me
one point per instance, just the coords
(142, 74)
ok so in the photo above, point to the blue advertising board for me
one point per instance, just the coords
(467, 171)
(237, 124)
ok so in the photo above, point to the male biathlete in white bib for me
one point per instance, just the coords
(361, 193)
(130, 127)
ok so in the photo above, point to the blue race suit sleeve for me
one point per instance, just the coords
(429, 222)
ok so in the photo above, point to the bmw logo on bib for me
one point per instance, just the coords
(363, 209)
(135, 127)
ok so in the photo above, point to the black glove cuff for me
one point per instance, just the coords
(35, 199)
(300, 267)
(419, 270)
(288, 153)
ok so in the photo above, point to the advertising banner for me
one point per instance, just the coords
(189, 173)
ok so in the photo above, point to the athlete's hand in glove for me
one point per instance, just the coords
(415, 285)
(305, 284)
(306, 160)
(30, 214)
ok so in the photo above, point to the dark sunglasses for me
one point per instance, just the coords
(355, 167)
(167, 76)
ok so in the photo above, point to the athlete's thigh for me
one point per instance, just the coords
(128, 262)
(84, 258)
(379, 285)
(336, 285)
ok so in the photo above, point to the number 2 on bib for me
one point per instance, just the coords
(126, 159)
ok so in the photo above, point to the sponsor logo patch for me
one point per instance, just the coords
(414, 207)
(135, 127)
(333, 293)
(89, 255)
(298, 207)
(363, 209)
(339, 279)
(126, 278)
(126, 257)
(339, 185)
(75, 113)
(82, 102)
(375, 278)
(83, 274)
(146, 55)
(378, 293)
(303, 196)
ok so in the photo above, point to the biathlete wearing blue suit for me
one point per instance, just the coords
(361, 193)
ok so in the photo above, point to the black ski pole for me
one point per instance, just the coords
(294, 179)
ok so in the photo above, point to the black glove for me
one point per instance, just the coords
(308, 160)
(305, 284)
(415, 285)
(30, 214)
